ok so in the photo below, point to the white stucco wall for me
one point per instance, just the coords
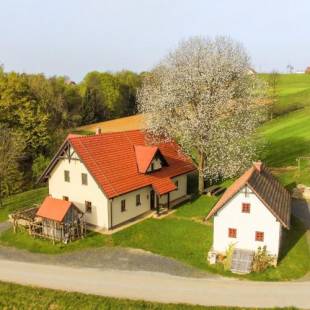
(179, 192)
(79, 193)
(104, 211)
(259, 219)
(156, 164)
(132, 210)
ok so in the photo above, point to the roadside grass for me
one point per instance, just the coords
(14, 296)
(21, 201)
(22, 240)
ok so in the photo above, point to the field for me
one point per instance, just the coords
(287, 137)
(293, 92)
(121, 124)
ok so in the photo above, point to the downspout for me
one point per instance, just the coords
(111, 203)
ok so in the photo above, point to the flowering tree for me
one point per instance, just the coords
(202, 96)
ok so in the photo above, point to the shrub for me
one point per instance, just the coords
(262, 260)
(228, 257)
(38, 166)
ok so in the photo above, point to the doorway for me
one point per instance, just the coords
(152, 200)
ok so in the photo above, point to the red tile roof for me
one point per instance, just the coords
(261, 181)
(144, 155)
(54, 209)
(112, 160)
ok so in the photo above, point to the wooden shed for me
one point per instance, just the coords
(59, 220)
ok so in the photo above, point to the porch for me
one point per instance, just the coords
(164, 208)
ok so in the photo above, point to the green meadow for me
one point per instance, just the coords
(287, 136)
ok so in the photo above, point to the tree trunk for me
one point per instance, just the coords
(1, 198)
(201, 166)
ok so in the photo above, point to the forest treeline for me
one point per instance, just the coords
(37, 112)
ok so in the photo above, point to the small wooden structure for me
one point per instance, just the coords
(55, 219)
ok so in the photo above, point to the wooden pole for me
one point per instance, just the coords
(54, 232)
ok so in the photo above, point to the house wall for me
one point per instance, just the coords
(156, 164)
(178, 193)
(259, 219)
(132, 210)
(79, 193)
(105, 212)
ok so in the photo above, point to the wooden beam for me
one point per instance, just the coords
(168, 202)
(157, 204)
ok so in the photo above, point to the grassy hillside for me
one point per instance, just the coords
(22, 201)
(287, 136)
(293, 92)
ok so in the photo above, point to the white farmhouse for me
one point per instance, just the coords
(252, 213)
(116, 177)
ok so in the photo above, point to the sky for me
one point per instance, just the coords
(73, 37)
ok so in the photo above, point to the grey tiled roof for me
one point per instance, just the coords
(272, 193)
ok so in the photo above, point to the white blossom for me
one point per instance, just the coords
(202, 96)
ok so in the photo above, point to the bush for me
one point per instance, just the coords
(262, 260)
(228, 257)
(38, 166)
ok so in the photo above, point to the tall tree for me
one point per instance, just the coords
(11, 148)
(274, 78)
(21, 109)
(129, 83)
(202, 96)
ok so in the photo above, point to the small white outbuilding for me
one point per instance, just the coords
(252, 213)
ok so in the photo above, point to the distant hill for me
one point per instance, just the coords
(293, 92)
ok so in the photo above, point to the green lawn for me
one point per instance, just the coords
(22, 240)
(182, 239)
(14, 296)
(21, 201)
(183, 236)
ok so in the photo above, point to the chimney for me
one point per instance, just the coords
(98, 131)
(258, 165)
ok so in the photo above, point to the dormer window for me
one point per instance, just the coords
(149, 158)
